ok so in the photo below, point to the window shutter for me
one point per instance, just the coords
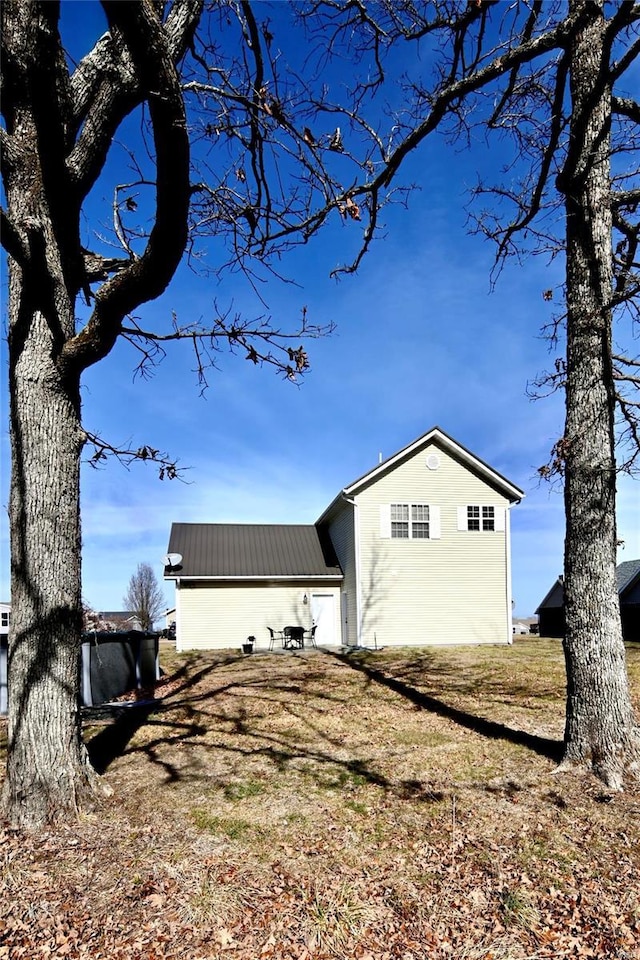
(385, 521)
(462, 518)
(499, 514)
(434, 523)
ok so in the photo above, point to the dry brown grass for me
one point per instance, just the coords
(393, 805)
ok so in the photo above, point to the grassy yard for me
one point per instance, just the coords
(392, 806)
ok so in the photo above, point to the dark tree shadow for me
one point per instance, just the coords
(198, 718)
(544, 746)
(111, 742)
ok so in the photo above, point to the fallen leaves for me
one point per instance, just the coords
(374, 831)
(380, 913)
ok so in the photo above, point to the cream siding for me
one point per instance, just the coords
(451, 588)
(215, 616)
(448, 590)
(341, 528)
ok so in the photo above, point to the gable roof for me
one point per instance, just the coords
(627, 574)
(117, 614)
(246, 551)
(451, 446)
(554, 598)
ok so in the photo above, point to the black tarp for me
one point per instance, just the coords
(111, 664)
(116, 663)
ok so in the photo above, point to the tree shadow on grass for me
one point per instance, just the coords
(186, 720)
(111, 742)
(544, 746)
(128, 718)
(164, 729)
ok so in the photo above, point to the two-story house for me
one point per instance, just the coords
(415, 552)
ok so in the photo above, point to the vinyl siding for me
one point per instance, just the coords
(221, 616)
(448, 590)
(341, 532)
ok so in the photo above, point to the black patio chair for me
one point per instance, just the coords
(272, 637)
(312, 636)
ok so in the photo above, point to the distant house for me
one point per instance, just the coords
(113, 620)
(5, 619)
(551, 610)
(415, 552)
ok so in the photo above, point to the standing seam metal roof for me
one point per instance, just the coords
(237, 550)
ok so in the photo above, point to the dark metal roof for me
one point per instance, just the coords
(117, 614)
(245, 551)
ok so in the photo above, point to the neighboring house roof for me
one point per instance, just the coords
(442, 439)
(627, 574)
(236, 551)
(554, 598)
(117, 615)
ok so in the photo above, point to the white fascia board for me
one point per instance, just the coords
(342, 496)
(512, 492)
(303, 578)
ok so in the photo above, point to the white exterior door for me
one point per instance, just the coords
(324, 619)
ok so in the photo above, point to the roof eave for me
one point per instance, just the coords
(558, 580)
(510, 490)
(302, 577)
(336, 500)
(630, 584)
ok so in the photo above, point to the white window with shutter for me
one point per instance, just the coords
(410, 521)
(481, 518)
(399, 521)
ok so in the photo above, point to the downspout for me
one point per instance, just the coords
(507, 547)
(356, 537)
(178, 618)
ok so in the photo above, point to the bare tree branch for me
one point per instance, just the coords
(147, 277)
(626, 107)
(102, 450)
(105, 88)
(259, 341)
(12, 240)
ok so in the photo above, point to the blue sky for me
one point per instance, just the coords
(420, 340)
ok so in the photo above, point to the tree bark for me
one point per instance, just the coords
(46, 180)
(47, 769)
(600, 728)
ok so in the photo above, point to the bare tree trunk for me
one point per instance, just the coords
(47, 768)
(57, 133)
(600, 727)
